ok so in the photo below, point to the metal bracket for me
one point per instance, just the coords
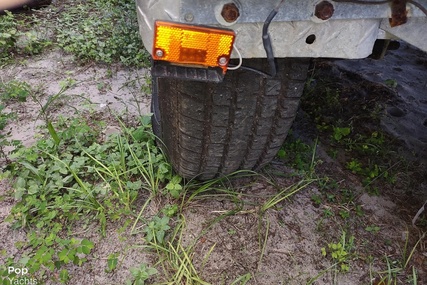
(165, 69)
(413, 32)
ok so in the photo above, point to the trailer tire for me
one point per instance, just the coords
(213, 129)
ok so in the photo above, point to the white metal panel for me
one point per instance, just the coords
(335, 39)
(150, 10)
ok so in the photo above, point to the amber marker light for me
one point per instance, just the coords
(192, 45)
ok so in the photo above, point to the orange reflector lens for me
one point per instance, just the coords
(188, 44)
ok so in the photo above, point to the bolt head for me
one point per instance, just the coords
(324, 10)
(230, 12)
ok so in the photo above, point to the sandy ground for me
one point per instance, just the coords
(297, 229)
(94, 88)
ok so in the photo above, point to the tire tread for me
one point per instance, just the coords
(213, 129)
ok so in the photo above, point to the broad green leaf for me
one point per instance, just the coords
(33, 189)
(86, 246)
(63, 275)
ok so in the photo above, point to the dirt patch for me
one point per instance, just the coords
(404, 71)
(93, 88)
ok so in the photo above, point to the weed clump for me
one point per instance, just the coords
(104, 31)
(13, 91)
(347, 113)
(8, 35)
(78, 178)
(15, 39)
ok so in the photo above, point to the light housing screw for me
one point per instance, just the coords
(189, 17)
(222, 60)
(159, 53)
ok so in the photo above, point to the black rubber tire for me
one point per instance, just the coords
(210, 129)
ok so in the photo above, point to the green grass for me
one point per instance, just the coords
(297, 154)
(104, 31)
(10, 92)
(8, 35)
(16, 39)
(398, 270)
(85, 178)
(86, 172)
(347, 118)
(175, 259)
(79, 179)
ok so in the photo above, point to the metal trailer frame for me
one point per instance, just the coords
(307, 28)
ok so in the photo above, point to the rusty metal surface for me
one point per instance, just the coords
(398, 13)
(324, 10)
(206, 12)
(230, 12)
(413, 32)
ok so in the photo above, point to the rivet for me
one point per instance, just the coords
(189, 17)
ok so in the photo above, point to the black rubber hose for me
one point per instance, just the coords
(266, 40)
